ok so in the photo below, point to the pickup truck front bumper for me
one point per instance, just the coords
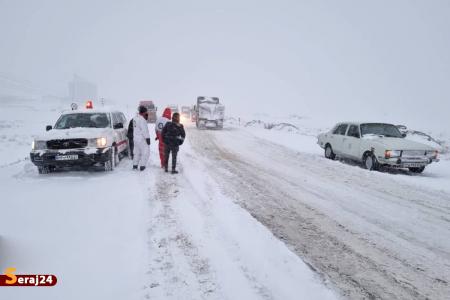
(83, 158)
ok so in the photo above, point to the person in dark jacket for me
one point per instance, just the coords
(173, 135)
(130, 138)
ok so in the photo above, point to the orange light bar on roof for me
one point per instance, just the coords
(89, 104)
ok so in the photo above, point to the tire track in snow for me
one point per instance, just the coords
(232, 247)
(181, 272)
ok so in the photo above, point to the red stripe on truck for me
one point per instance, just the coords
(121, 143)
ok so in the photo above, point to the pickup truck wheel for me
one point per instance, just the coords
(417, 170)
(370, 162)
(329, 152)
(110, 164)
(116, 157)
(44, 170)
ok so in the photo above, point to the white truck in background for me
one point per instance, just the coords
(209, 113)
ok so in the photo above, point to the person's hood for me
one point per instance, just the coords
(167, 113)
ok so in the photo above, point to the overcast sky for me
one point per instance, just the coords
(377, 59)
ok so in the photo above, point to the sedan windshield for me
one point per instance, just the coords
(387, 130)
(86, 120)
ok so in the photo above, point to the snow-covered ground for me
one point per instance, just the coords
(373, 234)
(79, 226)
(131, 235)
(255, 213)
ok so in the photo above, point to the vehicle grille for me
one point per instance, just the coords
(413, 153)
(67, 144)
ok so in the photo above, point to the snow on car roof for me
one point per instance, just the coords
(87, 111)
(361, 122)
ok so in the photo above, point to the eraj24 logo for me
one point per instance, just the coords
(11, 279)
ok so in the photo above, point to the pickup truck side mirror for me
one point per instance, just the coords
(118, 126)
(48, 127)
(404, 135)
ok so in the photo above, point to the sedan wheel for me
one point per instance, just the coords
(370, 162)
(329, 152)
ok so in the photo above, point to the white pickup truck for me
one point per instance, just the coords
(82, 139)
(376, 145)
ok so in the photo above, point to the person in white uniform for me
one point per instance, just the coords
(141, 136)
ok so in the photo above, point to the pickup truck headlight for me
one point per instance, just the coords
(392, 153)
(98, 142)
(38, 145)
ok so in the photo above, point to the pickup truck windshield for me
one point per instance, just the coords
(387, 130)
(85, 120)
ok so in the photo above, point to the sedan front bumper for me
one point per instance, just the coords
(406, 162)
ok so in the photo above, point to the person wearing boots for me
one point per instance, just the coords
(159, 125)
(173, 135)
(141, 139)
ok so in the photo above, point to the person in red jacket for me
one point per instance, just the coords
(159, 125)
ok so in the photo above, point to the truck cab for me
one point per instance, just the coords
(209, 113)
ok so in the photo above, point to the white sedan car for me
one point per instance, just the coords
(376, 145)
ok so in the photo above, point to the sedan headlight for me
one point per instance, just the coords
(392, 153)
(38, 145)
(100, 142)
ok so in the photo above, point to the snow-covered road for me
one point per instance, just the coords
(205, 246)
(374, 235)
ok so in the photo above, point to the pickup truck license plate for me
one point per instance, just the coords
(414, 165)
(66, 157)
